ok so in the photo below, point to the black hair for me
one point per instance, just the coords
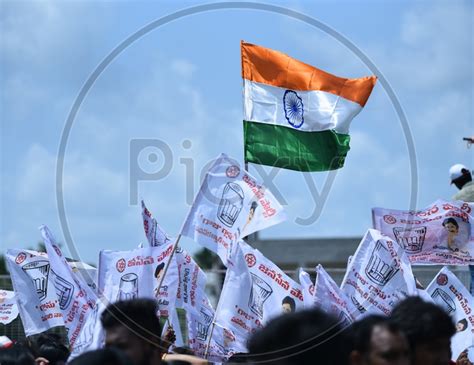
(361, 331)
(50, 346)
(139, 316)
(463, 179)
(450, 220)
(107, 356)
(290, 301)
(464, 324)
(183, 350)
(16, 355)
(422, 322)
(254, 205)
(238, 358)
(305, 337)
(159, 268)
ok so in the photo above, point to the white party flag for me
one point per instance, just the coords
(8, 307)
(173, 321)
(85, 271)
(76, 299)
(192, 283)
(379, 275)
(237, 297)
(447, 291)
(33, 283)
(137, 273)
(279, 293)
(155, 235)
(307, 288)
(442, 233)
(331, 299)
(230, 205)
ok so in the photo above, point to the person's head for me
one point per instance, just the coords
(376, 340)
(16, 355)
(288, 305)
(238, 358)
(305, 337)
(253, 207)
(182, 350)
(460, 175)
(159, 269)
(451, 225)
(133, 327)
(50, 347)
(461, 325)
(102, 357)
(428, 329)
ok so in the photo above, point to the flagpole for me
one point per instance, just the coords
(168, 263)
(206, 354)
(215, 316)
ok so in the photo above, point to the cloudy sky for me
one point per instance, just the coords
(181, 84)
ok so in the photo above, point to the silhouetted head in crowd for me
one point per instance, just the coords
(306, 337)
(428, 329)
(238, 358)
(133, 327)
(16, 355)
(183, 350)
(102, 357)
(376, 340)
(49, 346)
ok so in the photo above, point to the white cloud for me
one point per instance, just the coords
(183, 68)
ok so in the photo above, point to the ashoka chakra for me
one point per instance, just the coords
(293, 108)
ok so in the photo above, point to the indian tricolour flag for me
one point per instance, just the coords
(295, 115)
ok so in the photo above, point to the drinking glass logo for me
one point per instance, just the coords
(128, 287)
(411, 239)
(230, 204)
(203, 325)
(260, 292)
(38, 271)
(443, 299)
(382, 266)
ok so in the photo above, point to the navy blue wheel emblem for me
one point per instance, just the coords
(293, 106)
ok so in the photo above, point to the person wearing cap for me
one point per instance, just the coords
(462, 178)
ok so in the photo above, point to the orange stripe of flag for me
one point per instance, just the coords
(267, 66)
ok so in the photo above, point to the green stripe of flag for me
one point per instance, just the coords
(273, 145)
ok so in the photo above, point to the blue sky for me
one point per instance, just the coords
(182, 82)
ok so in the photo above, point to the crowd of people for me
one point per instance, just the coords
(416, 333)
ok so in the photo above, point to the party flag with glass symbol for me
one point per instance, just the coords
(35, 293)
(296, 116)
(448, 292)
(76, 300)
(230, 205)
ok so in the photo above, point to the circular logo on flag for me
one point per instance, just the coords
(120, 265)
(389, 219)
(311, 289)
(250, 259)
(20, 258)
(294, 111)
(232, 171)
(442, 279)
